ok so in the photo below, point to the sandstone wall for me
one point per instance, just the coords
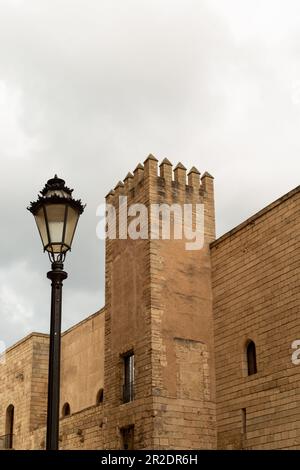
(256, 287)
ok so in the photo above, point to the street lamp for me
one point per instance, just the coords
(56, 214)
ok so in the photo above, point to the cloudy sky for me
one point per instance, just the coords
(89, 88)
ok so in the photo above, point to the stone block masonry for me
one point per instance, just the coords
(256, 286)
(166, 363)
(159, 306)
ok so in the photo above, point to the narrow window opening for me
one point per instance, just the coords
(244, 421)
(127, 438)
(9, 427)
(128, 384)
(66, 410)
(251, 358)
(100, 396)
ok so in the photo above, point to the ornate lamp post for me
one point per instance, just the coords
(56, 214)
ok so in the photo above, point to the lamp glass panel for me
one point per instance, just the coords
(72, 219)
(41, 225)
(56, 219)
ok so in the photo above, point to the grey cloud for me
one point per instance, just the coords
(103, 83)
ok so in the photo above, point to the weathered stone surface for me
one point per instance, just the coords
(187, 315)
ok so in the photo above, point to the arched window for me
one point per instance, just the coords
(9, 427)
(251, 357)
(66, 410)
(100, 396)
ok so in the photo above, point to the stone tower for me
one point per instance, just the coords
(159, 364)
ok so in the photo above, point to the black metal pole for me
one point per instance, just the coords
(57, 275)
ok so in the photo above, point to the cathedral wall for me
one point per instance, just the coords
(82, 365)
(79, 431)
(23, 385)
(256, 280)
(24, 378)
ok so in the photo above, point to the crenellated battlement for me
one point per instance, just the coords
(157, 176)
